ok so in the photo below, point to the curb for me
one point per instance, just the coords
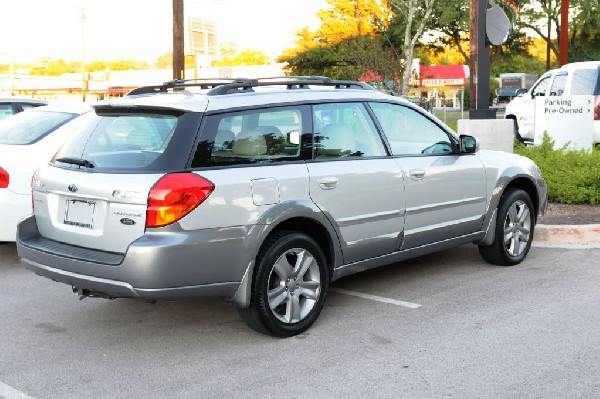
(582, 236)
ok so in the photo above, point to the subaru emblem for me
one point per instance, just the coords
(73, 188)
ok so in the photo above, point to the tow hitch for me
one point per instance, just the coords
(83, 293)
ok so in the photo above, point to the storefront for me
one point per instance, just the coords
(442, 85)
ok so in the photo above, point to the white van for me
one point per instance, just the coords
(579, 78)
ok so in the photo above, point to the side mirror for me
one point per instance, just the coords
(293, 137)
(468, 144)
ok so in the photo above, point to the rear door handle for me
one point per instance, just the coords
(416, 174)
(328, 183)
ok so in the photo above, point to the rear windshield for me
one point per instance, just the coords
(118, 141)
(6, 110)
(586, 82)
(28, 127)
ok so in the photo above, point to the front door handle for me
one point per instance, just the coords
(416, 174)
(328, 183)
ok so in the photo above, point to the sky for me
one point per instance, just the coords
(142, 29)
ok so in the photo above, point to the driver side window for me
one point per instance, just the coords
(540, 88)
(409, 132)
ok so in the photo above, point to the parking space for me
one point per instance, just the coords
(481, 331)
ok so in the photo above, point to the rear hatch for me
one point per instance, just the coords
(94, 193)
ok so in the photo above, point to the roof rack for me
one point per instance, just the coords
(219, 87)
(181, 84)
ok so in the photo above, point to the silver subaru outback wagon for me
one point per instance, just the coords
(264, 191)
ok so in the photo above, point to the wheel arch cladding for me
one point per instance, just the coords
(313, 229)
(525, 184)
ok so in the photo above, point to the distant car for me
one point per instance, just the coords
(504, 95)
(13, 105)
(27, 140)
(579, 78)
(416, 100)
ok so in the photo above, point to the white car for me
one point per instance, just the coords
(10, 106)
(27, 140)
(579, 78)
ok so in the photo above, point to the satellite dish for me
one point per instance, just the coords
(500, 20)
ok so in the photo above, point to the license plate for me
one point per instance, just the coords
(80, 213)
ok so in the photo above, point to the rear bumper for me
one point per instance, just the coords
(157, 266)
(14, 208)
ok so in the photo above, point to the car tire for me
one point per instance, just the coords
(514, 230)
(516, 134)
(289, 285)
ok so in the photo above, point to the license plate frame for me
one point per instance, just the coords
(80, 213)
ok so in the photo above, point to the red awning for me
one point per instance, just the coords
(444, 75)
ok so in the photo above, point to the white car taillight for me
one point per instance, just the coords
(4, 178)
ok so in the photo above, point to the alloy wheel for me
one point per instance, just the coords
(294, 285)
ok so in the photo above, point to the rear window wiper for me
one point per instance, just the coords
(75, 161)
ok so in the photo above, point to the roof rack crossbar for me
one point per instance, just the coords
(219, 87)
(204, 83)
(291, 84)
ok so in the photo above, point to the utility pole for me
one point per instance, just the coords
(83, 72)
(178, 54)
(563, 51)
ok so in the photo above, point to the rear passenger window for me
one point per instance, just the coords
(256, 136)
(409, 132)
(345, 130)
(586, 82)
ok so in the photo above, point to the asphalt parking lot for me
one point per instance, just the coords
(481, 331)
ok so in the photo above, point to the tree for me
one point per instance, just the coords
(342, 21)
(347, 19)
(359, 35)
(417, 14)
(451, 19)
(336, 61)
(118, 65)
(246, 57)
(165, 61)
(541, 16)
(584, 37)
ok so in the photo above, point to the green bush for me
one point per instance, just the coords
(573, 177)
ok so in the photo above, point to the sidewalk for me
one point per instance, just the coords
(567, 236)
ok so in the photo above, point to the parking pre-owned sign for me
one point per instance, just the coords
(568, 120)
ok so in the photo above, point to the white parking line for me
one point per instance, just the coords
(8, 392)
(376, 298)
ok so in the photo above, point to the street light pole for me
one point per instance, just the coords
(483, 65)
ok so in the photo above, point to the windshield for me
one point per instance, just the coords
(31, 126)
(507, 91)
(117, 141)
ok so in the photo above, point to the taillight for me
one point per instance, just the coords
(4, 178)
(174, 196)
(597, 108)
